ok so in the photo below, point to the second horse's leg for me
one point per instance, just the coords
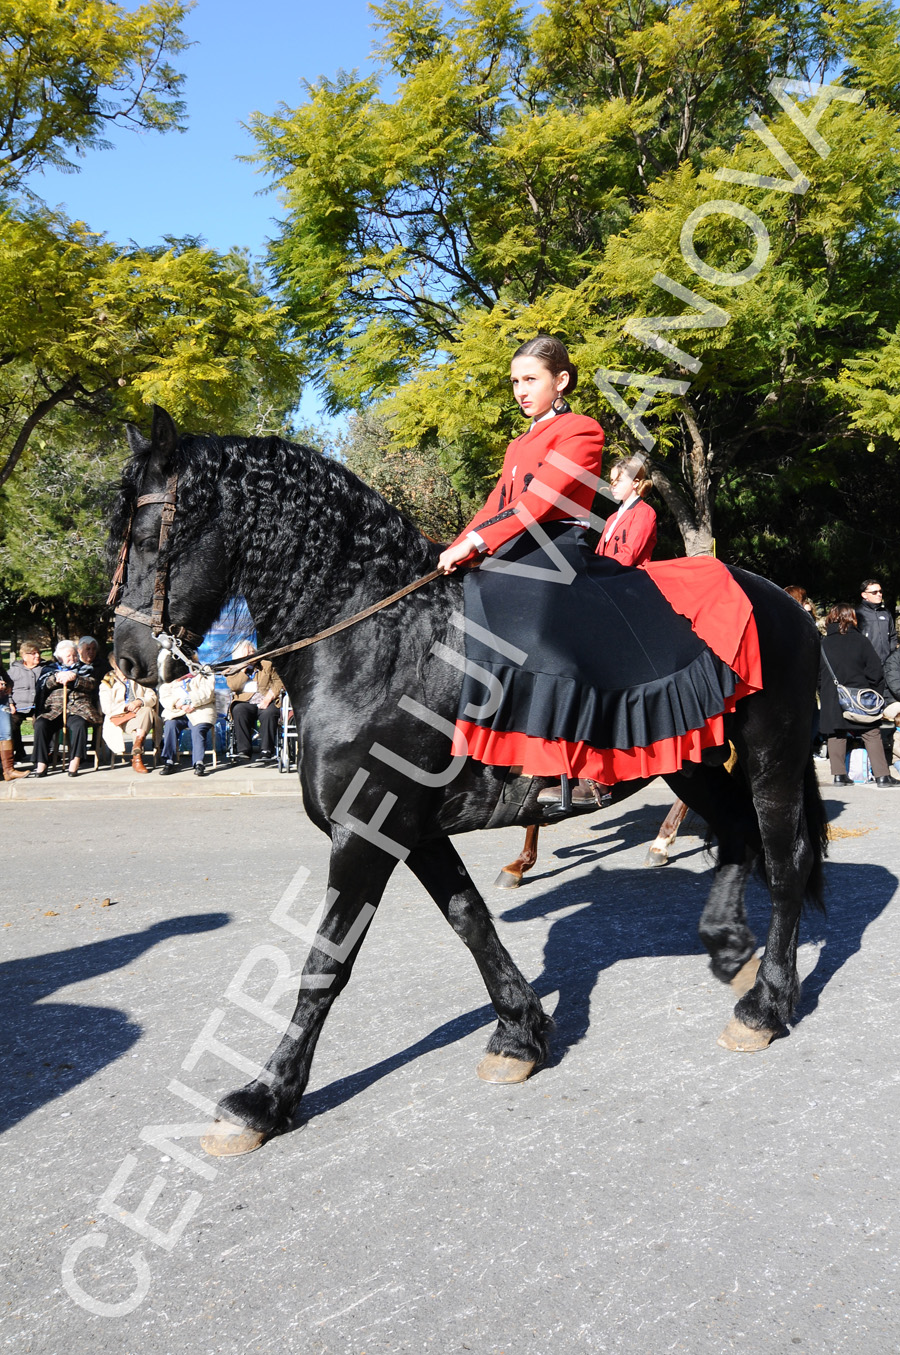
(519, 1043)
(510, 876)
(658, 851)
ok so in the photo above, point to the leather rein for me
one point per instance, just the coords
(177, 636)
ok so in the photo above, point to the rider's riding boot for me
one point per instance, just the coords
(581, 793)
(6, 759)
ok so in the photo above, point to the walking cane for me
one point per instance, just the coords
(65, 724)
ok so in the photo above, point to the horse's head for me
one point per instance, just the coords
(188, 563)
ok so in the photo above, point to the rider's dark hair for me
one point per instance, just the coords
(554, 355)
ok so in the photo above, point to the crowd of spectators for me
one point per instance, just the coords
(76, 698)
(859, 650)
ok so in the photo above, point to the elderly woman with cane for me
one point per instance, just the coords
(67, 696)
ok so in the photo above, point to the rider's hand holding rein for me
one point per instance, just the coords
(542, 374)
(454, 555)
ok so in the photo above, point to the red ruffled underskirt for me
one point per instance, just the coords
(720, 614)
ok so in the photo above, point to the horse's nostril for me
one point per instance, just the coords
(127, 665)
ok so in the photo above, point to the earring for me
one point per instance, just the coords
(561, 405)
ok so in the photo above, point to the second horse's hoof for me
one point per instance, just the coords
(231, 1140)
(502, 1068)
(741, 1039)
(507, 880)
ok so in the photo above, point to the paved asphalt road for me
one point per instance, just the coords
(648, 1192)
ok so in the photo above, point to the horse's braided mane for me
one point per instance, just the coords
(301, 530)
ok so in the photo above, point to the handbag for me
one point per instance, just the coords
(859, 705)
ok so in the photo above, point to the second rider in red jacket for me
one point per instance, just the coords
(629, 536)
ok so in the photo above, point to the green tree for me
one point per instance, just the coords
(54, 511)
(413, 479)
(536, 176)
(71, 69)
(86, 324)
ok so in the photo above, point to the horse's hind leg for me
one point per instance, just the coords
(723, 801)
(789, 808)
(519, 1042)
(764, 1011)
(510, 876)
(358, 874)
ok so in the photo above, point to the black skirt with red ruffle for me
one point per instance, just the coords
(579, 666)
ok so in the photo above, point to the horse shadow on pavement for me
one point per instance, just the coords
(46, 1048)
(636, 913)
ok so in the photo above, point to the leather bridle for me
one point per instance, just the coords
(156, 618)
(176, 636)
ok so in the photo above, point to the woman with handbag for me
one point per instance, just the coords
(849, 663)
(128, 708)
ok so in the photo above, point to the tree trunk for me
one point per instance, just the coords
(694, 519)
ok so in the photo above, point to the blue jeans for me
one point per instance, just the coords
(172, 732)
(5, 724)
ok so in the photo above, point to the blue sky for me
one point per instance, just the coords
(248, 55)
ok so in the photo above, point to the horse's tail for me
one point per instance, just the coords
(817, 828)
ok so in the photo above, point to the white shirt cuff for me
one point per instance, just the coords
(476, 540)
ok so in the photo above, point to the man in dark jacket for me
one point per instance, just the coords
(875, 621)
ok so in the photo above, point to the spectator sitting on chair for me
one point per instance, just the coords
(128, 708)
(187, 703)
(257, 689)
(76, 710)
(25, 673)
(89, 653)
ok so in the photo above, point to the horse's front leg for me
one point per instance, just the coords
(520, 1040)
(357, 876)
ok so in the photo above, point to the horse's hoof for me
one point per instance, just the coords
(745, 978)
(231, 1140)
(743, 1039)
(656, 858)
(506, 880)
(502, 1068)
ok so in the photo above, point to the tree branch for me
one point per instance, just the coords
(28, 427)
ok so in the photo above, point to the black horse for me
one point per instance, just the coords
(307, 543)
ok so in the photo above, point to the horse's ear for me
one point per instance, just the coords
(163, 440)
(137, 443)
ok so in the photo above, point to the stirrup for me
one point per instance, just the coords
(547, 798)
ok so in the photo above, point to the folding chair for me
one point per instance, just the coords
(288, 737)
